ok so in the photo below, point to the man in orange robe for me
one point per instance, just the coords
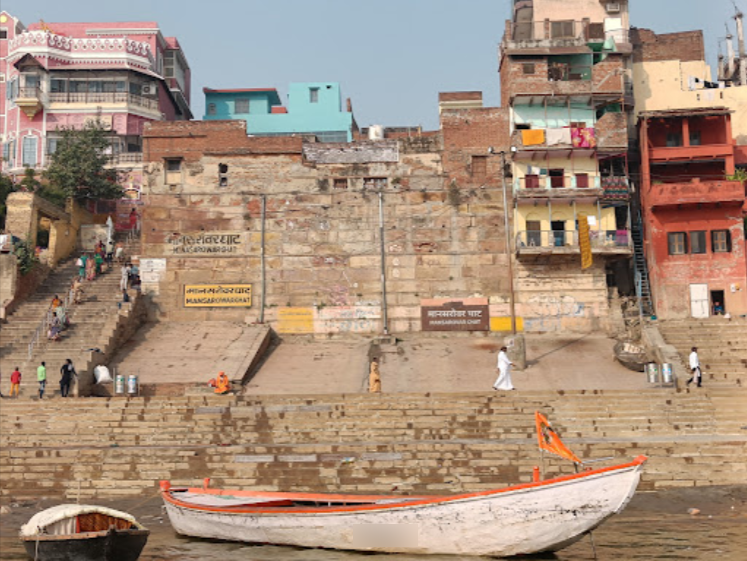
(222, 384)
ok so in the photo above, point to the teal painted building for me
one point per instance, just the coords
(313, 108)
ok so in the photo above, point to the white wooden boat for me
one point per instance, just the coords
(83, 533)
(536, 517)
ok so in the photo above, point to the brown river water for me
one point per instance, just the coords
(654, 526)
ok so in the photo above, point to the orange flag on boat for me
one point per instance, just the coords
(549, 440)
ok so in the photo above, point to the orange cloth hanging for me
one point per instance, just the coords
(549, 440)
(533, 137)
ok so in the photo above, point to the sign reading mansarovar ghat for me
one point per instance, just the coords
(205, 243)
(467, 314)
(217, 295)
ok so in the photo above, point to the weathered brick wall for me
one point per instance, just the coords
(323, 267)
(606, 77)
(651, 47)
(612, 131)
(472, 132)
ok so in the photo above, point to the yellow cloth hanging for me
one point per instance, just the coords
(533, 137)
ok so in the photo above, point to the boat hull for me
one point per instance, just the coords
(90, 546)
(525, 519)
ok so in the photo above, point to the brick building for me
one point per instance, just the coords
(564, 82)
(693, 136)
(323, 207)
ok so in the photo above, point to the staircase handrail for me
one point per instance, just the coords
(46, 321)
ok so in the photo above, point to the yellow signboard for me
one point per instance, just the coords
(584, 241)
(295, 320)
(217, 295)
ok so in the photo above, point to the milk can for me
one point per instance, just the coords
(652, 372)
(667, 376)
(132, 384)
(119, 384)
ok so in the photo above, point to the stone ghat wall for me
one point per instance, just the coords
(322, 239)
(361, 443)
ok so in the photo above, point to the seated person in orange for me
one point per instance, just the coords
(222, 384)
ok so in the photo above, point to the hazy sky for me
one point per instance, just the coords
(392, 57)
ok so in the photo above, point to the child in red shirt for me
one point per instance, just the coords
(15, 382)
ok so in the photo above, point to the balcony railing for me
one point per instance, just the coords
(563, 138)
(566, 241)
(564, 30)
(126, 158)
(536, 183)
(29, 92)
(104, 97)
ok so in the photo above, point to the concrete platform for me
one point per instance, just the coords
(448, 363)
(190, 352)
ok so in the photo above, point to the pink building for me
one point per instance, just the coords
(65, 74)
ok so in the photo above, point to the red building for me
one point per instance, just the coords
(693, 213)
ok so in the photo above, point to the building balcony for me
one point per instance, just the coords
(564, 188)
(565, 242)
(534, 36)
(695, 192)
(30, 100)
(685, 153)
(560, 139)
(126, 159)
(99, 98)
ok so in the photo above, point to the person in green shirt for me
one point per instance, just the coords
(41, 377)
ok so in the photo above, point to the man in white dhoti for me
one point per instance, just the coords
(504, 371)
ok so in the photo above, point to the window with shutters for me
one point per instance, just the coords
(28, 156)
(51, 146)
(721, 241)
(677, 243)
(212, 109)
(698, 242)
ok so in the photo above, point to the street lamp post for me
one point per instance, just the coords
(517, 347)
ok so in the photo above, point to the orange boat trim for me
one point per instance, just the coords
(363, 498)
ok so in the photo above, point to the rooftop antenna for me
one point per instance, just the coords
(740, 38)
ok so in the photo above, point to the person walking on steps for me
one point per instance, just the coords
(67, 371)
(697, 376)
(504, 371)
(41, 377)
(15, 382)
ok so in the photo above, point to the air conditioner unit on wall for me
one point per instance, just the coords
(613, 8)
(149, 89)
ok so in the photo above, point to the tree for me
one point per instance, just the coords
(31, 184)
(78, 167)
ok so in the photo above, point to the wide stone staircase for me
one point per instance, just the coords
(362, 443)
(722, 347)
(93, 323)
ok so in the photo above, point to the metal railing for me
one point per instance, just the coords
(126, 158)
(568, 239)
(39, 335)
(536, 183)
(565, 30)
(103, 97)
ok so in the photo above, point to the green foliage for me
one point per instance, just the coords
(6, 188)
(26, 256)
(739, 175)
(78, 167)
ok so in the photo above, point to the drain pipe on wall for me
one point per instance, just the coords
(262, 261)
(383, 264)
